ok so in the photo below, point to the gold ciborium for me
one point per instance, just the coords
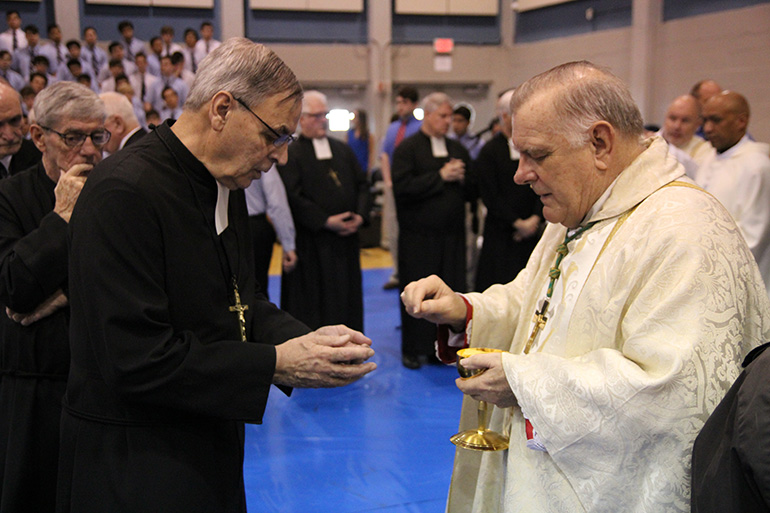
(480, 439)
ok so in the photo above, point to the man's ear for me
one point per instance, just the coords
(221, 107)
(602, 139)
(36, 134)
(119, 123)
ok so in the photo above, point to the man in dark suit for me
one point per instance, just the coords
(121, 122)
(16, 153)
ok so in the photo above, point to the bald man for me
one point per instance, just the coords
(16, 153)
(121, 122)
(683, 118)
(738, 173)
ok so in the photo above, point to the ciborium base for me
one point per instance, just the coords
(480, 440)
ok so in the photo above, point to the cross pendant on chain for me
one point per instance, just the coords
(539, 319)
(240, 308)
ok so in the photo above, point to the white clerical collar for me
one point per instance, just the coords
(729, 153)
(438, 147)
(322, 149)
(126, 137)
(220, 211)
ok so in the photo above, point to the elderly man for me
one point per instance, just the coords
(35, 208)
(121, 122)
(172, 347)
(329, 201)
(645, 300)
(683, 118)
(738, 173)
(429, 186)
(514, 213)
(16, 152)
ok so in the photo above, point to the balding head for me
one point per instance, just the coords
(10, 120)
(725, 119)
(682, 120)
(705, 89)
(121, 119)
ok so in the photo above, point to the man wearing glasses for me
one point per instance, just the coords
(35, 208)
(329, 201)
(172, 348)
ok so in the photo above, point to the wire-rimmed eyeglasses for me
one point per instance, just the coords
(280, 139)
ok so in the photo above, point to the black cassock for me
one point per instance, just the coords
(161, 383)
(33, 359)
(325, 286)
(501, 257)
(431, 227)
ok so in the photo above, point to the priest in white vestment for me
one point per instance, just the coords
(738, 172)
(656, 301)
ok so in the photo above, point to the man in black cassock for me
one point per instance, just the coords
(172, 348)
(430, 189)
(514, 212)
(16, 152)
(328, 196)
(35, 207)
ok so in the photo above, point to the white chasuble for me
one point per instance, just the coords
(654, 317)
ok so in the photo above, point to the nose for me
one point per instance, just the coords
(89, 149)
(525, 174)
(281, 155)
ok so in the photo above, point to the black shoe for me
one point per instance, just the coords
(411, 361)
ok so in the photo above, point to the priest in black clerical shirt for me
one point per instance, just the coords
(16, 153)
(35, 207)
(329, 200)
(429, 183)
(172, 347)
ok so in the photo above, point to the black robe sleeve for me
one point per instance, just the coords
(33, 242)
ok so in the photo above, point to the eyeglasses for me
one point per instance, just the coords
(76, 139)
(316, 115)
(280, 139)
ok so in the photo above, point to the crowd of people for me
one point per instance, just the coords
(155, 75)
(623, 277)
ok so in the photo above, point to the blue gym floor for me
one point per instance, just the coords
(379, 445)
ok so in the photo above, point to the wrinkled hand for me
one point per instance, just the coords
(345, 223)
(491, 385)
(432, 299)
(331, 356)
(525, 228)
(289, 261)
(68, 189)
(453, 171)
(57, 300)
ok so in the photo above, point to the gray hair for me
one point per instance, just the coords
(67, 100)
(116, 104)
(313, 95)
(435, 100)
(504, 103)
(249, 71)
(583, 95)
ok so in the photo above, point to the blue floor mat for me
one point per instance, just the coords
(379, 445)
